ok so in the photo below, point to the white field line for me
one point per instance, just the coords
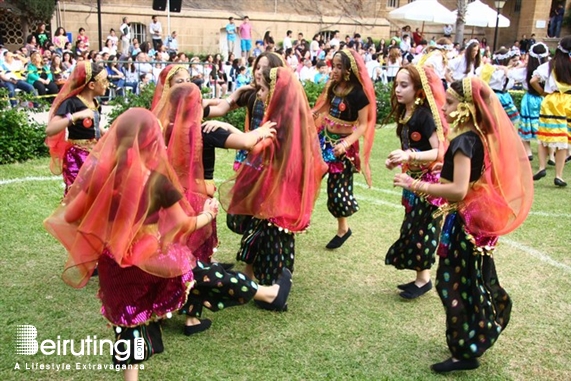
(519, 246)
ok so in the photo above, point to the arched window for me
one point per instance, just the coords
(139, 31)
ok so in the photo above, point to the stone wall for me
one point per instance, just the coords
(202, 30)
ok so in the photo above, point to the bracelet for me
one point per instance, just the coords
(230, 101)
(210, 214)
(344, 144)
(69, 118)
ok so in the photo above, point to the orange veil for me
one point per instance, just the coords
(500, 200)
(181, 117)
(58, 144)
(280, 180)
(160, 96)
(114, 204)
(359, 69)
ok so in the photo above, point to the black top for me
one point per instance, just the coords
(469, 144)
(353, 103)
(416, 133)
(210, 141)
(163, 196)
(77, 129)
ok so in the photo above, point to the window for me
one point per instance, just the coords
(392, 3)
(517, 7)
(139, 31)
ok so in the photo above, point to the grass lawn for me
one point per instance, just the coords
(345, 319)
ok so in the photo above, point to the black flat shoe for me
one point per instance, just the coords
(568, 159)
(530, 157)
(550, 162)
(280, 302)
(193, 329)
(337, 241)
(405, 286)
(414, 291)
(451, 366)
(560, 183)
(539, 175)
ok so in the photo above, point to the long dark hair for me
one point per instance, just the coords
(468, 55)
(561, 62)
(353, 81)
(398, 109)
(533, 63)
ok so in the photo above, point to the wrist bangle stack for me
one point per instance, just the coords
(210, 214)
(69, 118)
(230, 101)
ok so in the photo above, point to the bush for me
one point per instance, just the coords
(20, 138)
(383, 95)
(121, 104)
(517, 95)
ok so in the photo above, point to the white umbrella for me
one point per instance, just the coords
(479, 14)
(430, 11)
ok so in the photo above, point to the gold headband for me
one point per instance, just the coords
(354, 67)
(432, 103)
(88, 72)
(465, 109)
(100, 75)
(273, 80)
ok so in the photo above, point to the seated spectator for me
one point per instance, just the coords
(374, 68)
(171, 43)
(307, 72)
(109, 48)
(57, 70)
(196, 72)
(31, 44)
(12, 76)
(322, 75)
(115, 76)
(132, 77)
(40, 76)
(242, 79)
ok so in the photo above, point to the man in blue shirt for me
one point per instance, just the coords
(231, 35)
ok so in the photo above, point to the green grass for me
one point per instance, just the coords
(345, 319)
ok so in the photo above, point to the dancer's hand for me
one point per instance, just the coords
(398, 156)
(402, 180)
(390, 165)
(211, 205)
(266, 130)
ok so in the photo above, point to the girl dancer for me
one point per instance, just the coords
(75, 113)
(434, 56)
(554, 128)
(486, 179)
(280, 180)
(500, 77)
(126, 214)
(417, 99)
(531, 101)
(345, 111)
(466, 64)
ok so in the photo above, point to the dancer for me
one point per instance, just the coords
(191, 152)
(76, 113)
(486, 179)
(417, 99)
(500, 77)
(466, 65)
(345, 111)
(126, 213)
(434, 56)
(554, 128)
(531, 101)
(280, 180)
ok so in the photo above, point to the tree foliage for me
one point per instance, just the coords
(35, 9)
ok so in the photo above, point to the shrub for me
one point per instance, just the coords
(517, 95)
(121, 104)
(20, 137)
(383, 95)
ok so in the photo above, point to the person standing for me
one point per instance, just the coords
(156, 31)
(172, 43)
(344, 112)
(287, 44)
(231, 35)
(125, 37)
(416, 98)
(41, 35)
(246, 37)
(486, 179)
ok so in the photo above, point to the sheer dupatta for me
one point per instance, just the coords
(281, 178)
(114, 206)
(500, 200)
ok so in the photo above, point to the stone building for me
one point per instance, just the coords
(200, 24)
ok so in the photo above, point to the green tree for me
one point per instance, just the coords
(35, 9)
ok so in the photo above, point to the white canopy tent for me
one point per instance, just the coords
(427, 11)
(480, 14)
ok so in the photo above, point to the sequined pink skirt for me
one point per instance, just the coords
(72, 162)
(132, 297)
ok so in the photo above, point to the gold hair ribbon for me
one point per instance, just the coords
(354, 67)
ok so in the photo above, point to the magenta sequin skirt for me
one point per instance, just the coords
(132, 297)
(72, 161)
